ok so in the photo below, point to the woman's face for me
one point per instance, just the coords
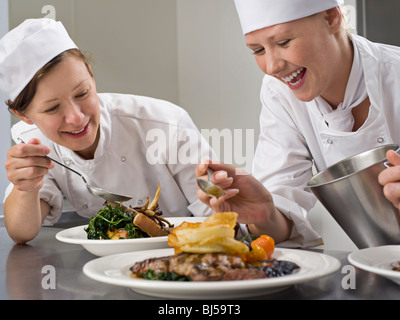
(304, 54)
(66, 109)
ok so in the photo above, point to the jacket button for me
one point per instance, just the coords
(380, 140)
(123, 159)
(329, 141)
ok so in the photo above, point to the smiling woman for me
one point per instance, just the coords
(51, 89)
(326, 96)
(25, 97)
(283, 51)
(63, 103)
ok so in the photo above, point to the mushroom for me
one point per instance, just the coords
(151, 211)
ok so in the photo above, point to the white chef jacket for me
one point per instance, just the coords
(140, 143)
(294, 135)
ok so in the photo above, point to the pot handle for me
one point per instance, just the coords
(387, 164)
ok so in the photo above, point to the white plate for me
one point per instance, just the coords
(77, 235)
(114, 270)
(378, 260)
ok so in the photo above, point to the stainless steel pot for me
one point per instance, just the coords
(350, 191)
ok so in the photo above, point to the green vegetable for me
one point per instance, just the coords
(164, 276)
(113, 219)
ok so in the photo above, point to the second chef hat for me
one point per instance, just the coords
(258, 14)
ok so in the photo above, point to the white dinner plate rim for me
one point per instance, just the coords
(63, 235)
(99, 270)
(357, 258)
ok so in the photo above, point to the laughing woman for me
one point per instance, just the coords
(107, 137)
(326, 95)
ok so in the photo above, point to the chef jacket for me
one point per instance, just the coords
(294, 135)
(143, 141)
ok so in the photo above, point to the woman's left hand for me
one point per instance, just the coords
(390, 179)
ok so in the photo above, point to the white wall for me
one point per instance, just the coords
(5, 140)
(132, 45)
(190, 52)
(219, 81)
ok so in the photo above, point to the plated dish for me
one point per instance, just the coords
(114, 269)
(378, 260)
(77, 235)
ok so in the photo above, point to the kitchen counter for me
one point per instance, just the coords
(22, 275)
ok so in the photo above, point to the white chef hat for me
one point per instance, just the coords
(26, 49)
(258, 14)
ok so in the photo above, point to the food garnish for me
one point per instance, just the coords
(396, 266)
(208, 251)
(164, 276)
(115, 221)
(215, 234)
(262, 248)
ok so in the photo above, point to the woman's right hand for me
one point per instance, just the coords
(248, 197)
(26, 165)
(243, 193)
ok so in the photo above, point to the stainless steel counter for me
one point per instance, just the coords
(22, 275)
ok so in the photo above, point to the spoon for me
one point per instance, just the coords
(208, 187)
(109, 196)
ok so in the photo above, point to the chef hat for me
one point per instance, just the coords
(26, 49)
(258, 14)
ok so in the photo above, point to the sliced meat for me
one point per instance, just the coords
(204, 267)
(148, 225)
(156, 264)
(214, 267)
(199, 267)
(243, 274)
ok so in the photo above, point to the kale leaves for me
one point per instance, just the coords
(108, 221)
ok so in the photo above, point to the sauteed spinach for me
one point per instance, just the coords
(164, 276)
(113, 223)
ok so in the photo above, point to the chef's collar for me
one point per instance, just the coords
(341, 119)
(258, 14)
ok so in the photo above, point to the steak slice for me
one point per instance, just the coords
(199, 267)
(243, 274)
(148, 225)
(158, 265)
(204, 267)
(214, 267)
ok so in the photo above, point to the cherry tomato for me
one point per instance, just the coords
(265, 242)
(256, 254)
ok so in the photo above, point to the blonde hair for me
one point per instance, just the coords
(346, 23)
